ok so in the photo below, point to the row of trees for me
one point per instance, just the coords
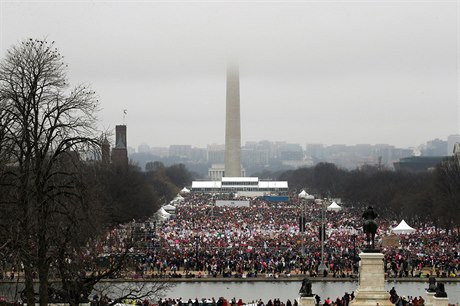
(417, 197)
(53, 205)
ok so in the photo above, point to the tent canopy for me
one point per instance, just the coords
(162, 215)
(334, 207)
(185, 190)
(163, 212)
(169, 207)
(304, 195)
(403, 228)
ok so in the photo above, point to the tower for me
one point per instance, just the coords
(120, 151)
(232, 124)
(120, 137)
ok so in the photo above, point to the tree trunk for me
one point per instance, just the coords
(29, 284)
(43, 269)
(43, 289)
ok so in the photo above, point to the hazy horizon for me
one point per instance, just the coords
(303, 145)
(333, 72)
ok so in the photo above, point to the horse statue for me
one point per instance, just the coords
(440, 290)
(370, 226)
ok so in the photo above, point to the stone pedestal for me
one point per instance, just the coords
(440, 301)
(307, 301)
(429, 298)
(371, 287)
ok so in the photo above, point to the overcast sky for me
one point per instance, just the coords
(332, 72)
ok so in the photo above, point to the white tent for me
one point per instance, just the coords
(170, 208)
(403, 228)
(304, 195)
(162, 214)
(185, 190)
(334, 207)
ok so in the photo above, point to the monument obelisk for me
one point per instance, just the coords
(232, 124)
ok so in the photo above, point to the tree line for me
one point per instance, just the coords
(418, 198)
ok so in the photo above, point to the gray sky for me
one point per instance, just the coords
(327, 72)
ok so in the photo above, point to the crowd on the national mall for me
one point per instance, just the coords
(203, 240)
(264, 240)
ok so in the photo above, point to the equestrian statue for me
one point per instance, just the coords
(370, 227)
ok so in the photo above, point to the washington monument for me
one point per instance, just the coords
(232, 124)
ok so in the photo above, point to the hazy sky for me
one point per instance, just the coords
(327, 72)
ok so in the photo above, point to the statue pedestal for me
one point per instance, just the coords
(429, 298)
(440, 301)
(307, 301)
(371, 286)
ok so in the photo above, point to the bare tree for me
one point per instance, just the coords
(83, 270)
(53, 206)
(44, 126)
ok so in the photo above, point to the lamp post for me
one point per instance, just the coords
(213, 203)
(353, 237)
(302, 230)
(304, 196)
(197, 240)
(322, 269)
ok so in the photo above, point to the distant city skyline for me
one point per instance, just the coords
(346, 72)
(303, 145)
(275, 156)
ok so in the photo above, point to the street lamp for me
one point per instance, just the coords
(304, 196)
(197, 240)
(322, 269)
(213, 204)
(354, 232)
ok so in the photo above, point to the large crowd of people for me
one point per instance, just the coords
(264, 240)
(202, 239)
